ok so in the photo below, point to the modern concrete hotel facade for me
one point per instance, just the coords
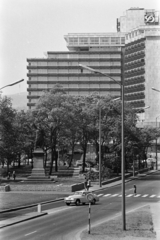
(100, 51)
(138, 31)
(142, 71)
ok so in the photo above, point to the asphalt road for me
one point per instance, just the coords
(63, 222)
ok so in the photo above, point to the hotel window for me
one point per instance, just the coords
(73, 41)
(83, 40)
(123, 40)
(94, 40)
(115, 40)
(104, 40)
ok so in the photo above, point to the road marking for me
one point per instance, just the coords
(100, 195)
(120, 195)
(152, 196)
(145, 195)
(107, 195)
(130, 195)
(30, 233)
(114, 195)
(158, 197)
(137, 195)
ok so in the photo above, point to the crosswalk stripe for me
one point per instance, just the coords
(152, 196)
(137, 195)
(100, 195)
(107, 195)
(114, 195)
(130, 195)
(145, 195)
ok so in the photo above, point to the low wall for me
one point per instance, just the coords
(5, 188)
(77, 187)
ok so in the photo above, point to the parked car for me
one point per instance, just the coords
(80, 197)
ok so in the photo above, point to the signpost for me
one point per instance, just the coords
(90, 198)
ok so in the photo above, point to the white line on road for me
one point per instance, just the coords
(137, 195)
(107, 195)
(145, 195)
(100, 195)
(114, 195)
(130, 195)
(30, 233)
(158, 197)
(152, 196)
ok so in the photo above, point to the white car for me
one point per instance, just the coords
(80, 197)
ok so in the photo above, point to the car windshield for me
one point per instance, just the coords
(78, 193)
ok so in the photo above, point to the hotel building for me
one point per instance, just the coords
(100, 51)
(138, 31)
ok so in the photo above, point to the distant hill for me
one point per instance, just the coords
(19, 100)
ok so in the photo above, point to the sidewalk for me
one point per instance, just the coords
(154, 207)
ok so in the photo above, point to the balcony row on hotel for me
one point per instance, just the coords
(134, 80)
(135, 88)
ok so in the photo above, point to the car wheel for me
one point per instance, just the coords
(77, 202)
(94, 201)
(68, 204)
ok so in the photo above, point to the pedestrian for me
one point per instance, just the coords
(85, 183)
(135, 189)
(14, 175)
(9, 175)
(88, 184)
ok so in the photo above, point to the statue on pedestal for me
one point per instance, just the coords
(39, 140)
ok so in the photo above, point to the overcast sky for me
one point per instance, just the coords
(29, 28)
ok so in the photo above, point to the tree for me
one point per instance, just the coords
(7, 144)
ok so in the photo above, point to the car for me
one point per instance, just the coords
(80, 197)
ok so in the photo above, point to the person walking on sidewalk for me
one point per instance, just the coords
(88, 184)
(14, 175)
(85, 184)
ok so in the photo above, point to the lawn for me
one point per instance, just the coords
(139, 226)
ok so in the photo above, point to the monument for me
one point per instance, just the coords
(38, 171)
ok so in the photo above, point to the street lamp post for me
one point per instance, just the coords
(156, 146)
(100, 182)
(157, 90)
(122, 134)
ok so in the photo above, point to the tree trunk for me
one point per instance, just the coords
(71, 156)
(56, 162)
(52, 159)
(19, 160)
(84, 158)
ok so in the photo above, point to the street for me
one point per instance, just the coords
(63, 222)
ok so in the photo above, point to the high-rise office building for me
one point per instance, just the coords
(135, 17)
(138, 31)
(100, 51)
(142, 71)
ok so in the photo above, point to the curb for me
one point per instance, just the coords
(32, 205)
(23, 220)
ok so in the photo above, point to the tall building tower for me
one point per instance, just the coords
(100, 51)
(142, 71)
(135, 17)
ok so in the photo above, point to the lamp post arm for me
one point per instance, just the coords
(14, 83)
(155, 89)
(98, 72)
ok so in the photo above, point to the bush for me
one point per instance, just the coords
(3, 172)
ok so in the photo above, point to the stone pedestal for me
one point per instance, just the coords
(38, 171)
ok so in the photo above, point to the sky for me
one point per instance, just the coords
(30, 28)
